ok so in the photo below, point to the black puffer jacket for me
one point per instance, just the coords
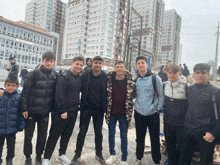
(85, 88)
(14, 69)
(38, 93)
(67, 93)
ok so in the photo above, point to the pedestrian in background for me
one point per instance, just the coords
(23, 74)
(88, 64)
(14, 68)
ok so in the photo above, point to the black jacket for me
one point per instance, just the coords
(85, 78)
(38, 93)
(24, 72)
(14, 69)
(200, 115)
(67, 93)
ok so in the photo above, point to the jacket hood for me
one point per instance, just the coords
(147, 74)
(127, 75)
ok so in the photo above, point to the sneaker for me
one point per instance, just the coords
(75, 160)
(38, 160)
(137, 162)
(100, 159)
(46, 162)
(63, 160)
(28, 161)
(111, 159)
(124, 163)
(9, 162)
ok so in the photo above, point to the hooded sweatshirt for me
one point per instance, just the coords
(145, 95)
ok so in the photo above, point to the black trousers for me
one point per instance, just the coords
(85, 117)
(59, 127)
(42, 125)
(151, 122)
(188, 144)
(10, 138)
(172, 136)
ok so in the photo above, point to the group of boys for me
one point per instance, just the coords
(191, 114)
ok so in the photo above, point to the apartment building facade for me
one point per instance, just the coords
(96, 27)
(171, 38)
(152, 12)
(25, 42)
(49, 14)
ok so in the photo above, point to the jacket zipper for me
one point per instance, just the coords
(172, 89)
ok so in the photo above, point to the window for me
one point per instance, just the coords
(2, 53)
(101, 47)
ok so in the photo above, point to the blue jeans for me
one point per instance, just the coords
(123, 133)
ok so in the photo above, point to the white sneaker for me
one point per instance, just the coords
(46, 162)
(63, 160)
(111, 159)
(124, 163)
(137, 162)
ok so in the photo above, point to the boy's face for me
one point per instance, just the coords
(48, 64)
(11, 61)
(141, 65)
(97, 65)
(120, 69)
(201, 77)
(174, 77)
(77, 67)
(10, 87)
(89, 62)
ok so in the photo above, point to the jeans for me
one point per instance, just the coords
(188, 144)
(123, 134)
(85, 117)
(172, 136)
(151, 122)
(59, 128)
(42, 125)
(10, 145)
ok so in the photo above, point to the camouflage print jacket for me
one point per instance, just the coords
(128, 103)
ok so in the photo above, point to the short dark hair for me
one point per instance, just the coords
(201, 67)
(173, 67)
(49, 55)
(88, 60)
(11, 79)
(169, 61)
(80, 58)
(142, 58)
(119, 62)
(11, 58)
(98, 58)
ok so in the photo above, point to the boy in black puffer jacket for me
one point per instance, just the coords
(38, 97)
(11, 120)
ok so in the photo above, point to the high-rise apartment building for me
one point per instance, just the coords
(49, 14)
(152, 12)
(96, 27)
(171, 37)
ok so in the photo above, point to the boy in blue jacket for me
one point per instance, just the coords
(11, 120)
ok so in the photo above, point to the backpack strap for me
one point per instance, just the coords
(155, 87)
(186, 90)
(214, 91)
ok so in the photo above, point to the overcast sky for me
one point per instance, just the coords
(199, 24)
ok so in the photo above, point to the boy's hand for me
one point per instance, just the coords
(1, 92)
(25, 114)
(209, 137)
(217, 147)
(64, 115)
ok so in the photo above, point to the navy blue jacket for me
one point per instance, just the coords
(11, 119)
